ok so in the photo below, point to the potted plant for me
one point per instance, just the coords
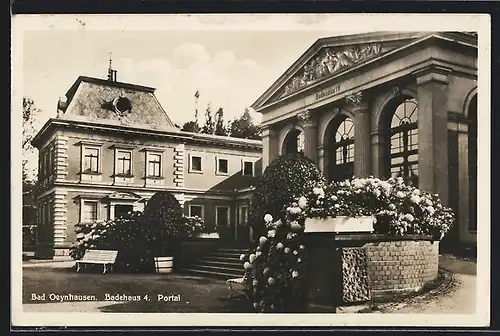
(161, 219)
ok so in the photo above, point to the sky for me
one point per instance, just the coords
(230, 69)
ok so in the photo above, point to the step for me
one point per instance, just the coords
(212, 273)
(226, 254)
(222, 269)
(233, 250)
(220, 263)
(221, 259)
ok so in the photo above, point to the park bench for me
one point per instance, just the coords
(105, 257)
(238, 286)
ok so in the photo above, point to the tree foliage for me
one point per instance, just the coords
(287, 177)
(244, 127)
(28, 151)
(191, 126)
(220, 128)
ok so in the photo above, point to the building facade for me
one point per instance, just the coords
(112, 146)
(384, 104)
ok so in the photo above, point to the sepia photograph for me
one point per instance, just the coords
(210, 170)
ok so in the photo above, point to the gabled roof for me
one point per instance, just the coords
(92, 99)
(331, 56)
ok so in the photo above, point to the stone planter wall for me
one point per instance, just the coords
(401, 265)
(353, 268)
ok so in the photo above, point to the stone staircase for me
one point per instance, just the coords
(223, 263)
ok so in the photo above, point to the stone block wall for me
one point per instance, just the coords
(403, 265)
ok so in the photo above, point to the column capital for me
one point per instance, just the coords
(306, 118)
(432, 73)
(358, 101)
(267, 131)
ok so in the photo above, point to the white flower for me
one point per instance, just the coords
(334, 198)
(302, 202)
(400, 194)
(392, 207)
(430, 209)
(242, 257)
(279, 246)
(268, 218)
(409, 217)
(80, 235)
(336, 206)
(262, 240)
(302, 247)
(428, 202)
(415, 199)
(258, 254)
(287, 249)
(251, 258)
(255, 282)
(357, 183)
(266, 270)
(377, 193)
(271, 233)
(416, 192)
(299, 260)
(278, 223)
(270, 281)
(295, 252)
(295, 274)
(247, 265)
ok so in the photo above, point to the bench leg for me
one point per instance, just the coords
(78, 267)
(104, 269)
(230, 291)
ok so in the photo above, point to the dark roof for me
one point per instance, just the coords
(91, 99)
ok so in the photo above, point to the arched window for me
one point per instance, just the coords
(404, 142)
(344, 142)
(294, 142)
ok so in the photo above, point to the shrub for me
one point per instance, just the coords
(124, 234)
(162, 221)
(399, 209)
(287, 177)
(276, 269)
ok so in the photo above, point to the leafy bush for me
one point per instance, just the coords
(399, 209)
(163, 222)
(124, 234)
(276, 269)
(287, 177)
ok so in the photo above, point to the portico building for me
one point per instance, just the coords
(384, 104)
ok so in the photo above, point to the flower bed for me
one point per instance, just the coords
(276, 269)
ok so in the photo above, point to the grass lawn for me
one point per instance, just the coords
(197, 295)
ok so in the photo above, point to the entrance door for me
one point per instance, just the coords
(223, 223)
(341, 153)
(122, 209)
(243, 230)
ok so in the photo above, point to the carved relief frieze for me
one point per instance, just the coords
(328, 61)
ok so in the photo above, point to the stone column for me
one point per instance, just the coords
(362, 142)
(269, 146)
(432, 95)
(310, 135)
(463, 182)
(321, 159)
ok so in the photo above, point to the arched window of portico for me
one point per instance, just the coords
(404, 141)
(294, 142)
(339, 141)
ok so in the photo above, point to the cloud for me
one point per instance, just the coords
(188, 54)
(222, 79)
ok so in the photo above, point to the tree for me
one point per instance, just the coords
(244, 127)
(191, 126)
(220, 129)
(209, 127)
(29, 113)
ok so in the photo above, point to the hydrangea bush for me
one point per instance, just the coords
(129, 236)
(287, 177)
(276, 269)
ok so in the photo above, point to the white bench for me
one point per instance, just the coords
(104, 257)
(238, 283)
